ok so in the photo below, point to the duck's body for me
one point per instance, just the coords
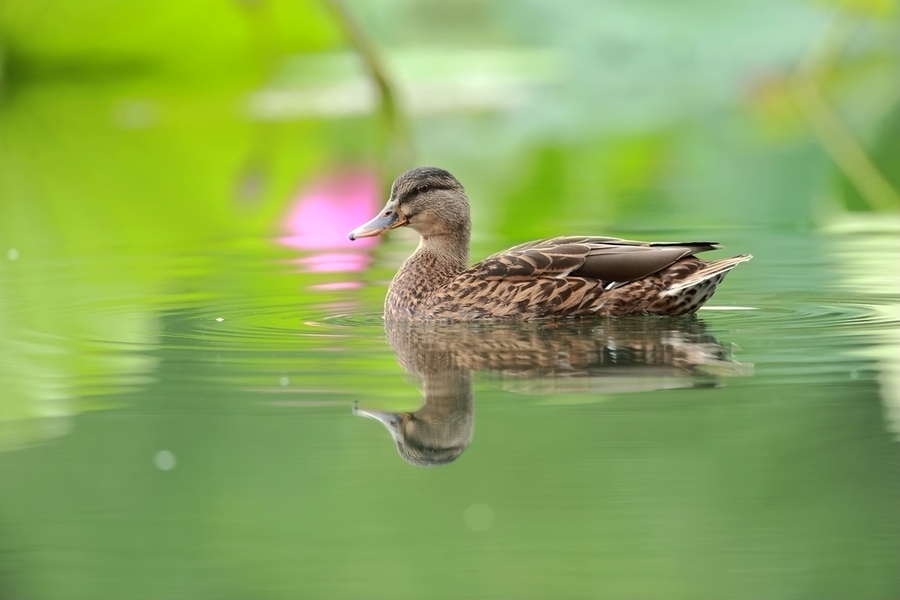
(559, 277)
(552, 278)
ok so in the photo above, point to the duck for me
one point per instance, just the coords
(559, 277)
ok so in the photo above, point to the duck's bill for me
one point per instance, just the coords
(387, 220)
(391, 421)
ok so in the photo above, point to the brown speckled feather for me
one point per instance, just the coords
(560, 277)
(549, 278)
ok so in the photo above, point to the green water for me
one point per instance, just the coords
(192, 437)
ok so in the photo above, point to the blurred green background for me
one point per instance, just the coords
(168, 282)
(751, 112)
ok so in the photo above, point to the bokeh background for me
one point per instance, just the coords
(767, 112)
(184, 325)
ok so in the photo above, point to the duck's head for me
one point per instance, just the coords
(424, 440)
(429, 200)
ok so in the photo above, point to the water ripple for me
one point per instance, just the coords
(270, 325)
(286, 323)
(815, 319)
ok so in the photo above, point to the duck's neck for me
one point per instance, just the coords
(436, 261)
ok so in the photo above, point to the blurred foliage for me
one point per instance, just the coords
(193, 42)
(690, 105)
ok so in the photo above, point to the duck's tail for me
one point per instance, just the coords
(714, 270)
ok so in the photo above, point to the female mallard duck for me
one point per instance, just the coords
(559, 277)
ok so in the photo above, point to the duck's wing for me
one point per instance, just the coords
(610, 260)
(559, 277)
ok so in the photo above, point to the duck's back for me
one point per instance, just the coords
(579, 277)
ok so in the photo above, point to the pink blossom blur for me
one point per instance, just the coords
(323, 214)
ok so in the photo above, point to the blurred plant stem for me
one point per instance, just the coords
(836, 137)
(400, 149)
(2, 69)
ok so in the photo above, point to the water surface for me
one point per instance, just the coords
(171, 429)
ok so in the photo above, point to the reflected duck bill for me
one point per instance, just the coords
(390, 420)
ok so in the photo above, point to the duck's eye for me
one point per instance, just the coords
(422, 188)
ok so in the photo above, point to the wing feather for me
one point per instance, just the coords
(554, 277)
(603, 258)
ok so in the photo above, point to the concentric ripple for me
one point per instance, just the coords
(810, 319)
(274, 325)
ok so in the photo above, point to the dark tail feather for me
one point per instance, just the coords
(707, 272)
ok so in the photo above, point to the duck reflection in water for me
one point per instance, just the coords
(611, 355)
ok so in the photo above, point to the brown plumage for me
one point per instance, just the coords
(613, 355)
(560, 277)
